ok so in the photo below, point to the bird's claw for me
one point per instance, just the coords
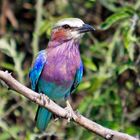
(70, 112)
(43, 98)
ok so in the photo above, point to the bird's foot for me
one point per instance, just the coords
(69, 111)
(43, 97)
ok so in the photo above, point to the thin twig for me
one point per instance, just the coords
(59, 111)
(11, 109)
(35, 41)
(7, 13)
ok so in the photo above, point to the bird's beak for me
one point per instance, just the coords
(86, 28)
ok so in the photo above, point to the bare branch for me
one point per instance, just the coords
(59, 111)
(7, 13)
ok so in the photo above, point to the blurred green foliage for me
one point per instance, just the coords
(110, 91)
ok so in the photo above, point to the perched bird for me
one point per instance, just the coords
(58, 69)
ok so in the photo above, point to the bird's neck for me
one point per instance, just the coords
(68, 42)
(69, 46)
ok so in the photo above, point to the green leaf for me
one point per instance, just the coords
(7, 66)
(45, 27)
(5, 136)
(83, 106)
(119, 15)
(125, 67)
(88, 63)
(129, 38)
(97, 81)
(109, 4)
(84, 85)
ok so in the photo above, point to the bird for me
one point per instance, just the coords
(58, 70)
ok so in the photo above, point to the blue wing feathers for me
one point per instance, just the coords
(43, 116)
(37, 68)
(78, 78)
(79, 74)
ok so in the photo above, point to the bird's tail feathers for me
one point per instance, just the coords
(42, 118)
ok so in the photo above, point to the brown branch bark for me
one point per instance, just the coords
(7, 13)
(59, 111)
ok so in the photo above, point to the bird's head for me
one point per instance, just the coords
(69, 28)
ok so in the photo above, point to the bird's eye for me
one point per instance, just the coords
(66, 26)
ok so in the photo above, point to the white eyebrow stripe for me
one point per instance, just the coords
(72, 22)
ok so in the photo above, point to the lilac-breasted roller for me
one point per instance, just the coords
(58, 70)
